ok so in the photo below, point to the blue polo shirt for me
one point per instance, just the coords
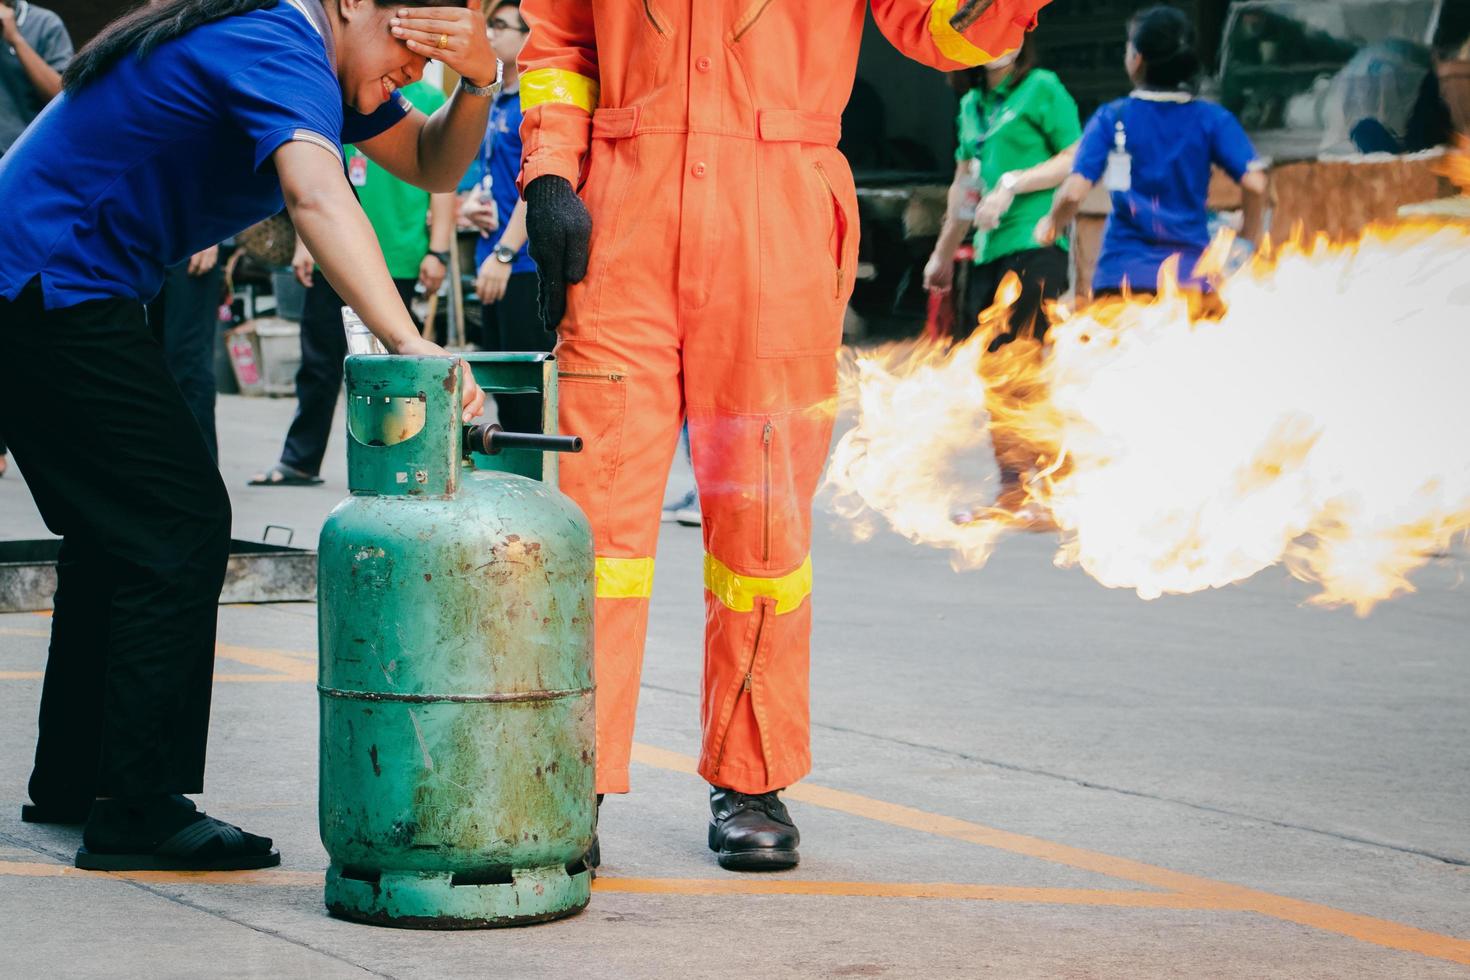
(1173, 144)
(169, 154)
(500, 158)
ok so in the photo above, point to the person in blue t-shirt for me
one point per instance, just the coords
(179, 125)
(1154, 151)
(505, 277)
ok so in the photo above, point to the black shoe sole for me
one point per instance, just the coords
(762, 859)
(34, 813)
(88, 861)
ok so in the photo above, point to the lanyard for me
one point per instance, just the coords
(492, 130)
(317, 17)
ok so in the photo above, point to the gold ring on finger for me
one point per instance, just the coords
(443, 41)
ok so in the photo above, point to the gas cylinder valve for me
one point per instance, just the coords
(490, 439)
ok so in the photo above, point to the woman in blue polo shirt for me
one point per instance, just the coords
(1154, 151)
(181, 124)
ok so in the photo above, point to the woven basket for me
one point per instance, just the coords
(272, 241)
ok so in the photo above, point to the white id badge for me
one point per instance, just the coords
(1119, 176)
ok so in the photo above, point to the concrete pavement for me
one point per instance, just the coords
(1019, 774)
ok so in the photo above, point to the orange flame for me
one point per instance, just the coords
(1317, 421)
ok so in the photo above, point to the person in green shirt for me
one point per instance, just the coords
(1017, 128)
(1016, 119)
(415, 230)
(397, 209)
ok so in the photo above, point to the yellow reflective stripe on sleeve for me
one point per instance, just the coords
(950, 42)
(624, 578)
(738, 592)
(542, 85)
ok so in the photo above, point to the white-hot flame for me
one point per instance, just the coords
(1320, 421)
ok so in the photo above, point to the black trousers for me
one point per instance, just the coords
(119, 470)
(185, 319)
(513, 323)
(319, 379)
(1043, 274)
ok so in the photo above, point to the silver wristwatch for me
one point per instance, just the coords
(504, 254)
(484, 91)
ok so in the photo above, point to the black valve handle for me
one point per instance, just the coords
(491, 439)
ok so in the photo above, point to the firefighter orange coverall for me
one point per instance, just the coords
(703, 136)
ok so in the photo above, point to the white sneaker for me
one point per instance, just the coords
(689, 516)
(673, 507)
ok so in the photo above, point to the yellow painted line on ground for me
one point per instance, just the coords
(20, 675)
(1218, 894)
(14, 631)
(674, 886)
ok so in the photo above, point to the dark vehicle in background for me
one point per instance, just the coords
(1313, 77)
(1309, 79)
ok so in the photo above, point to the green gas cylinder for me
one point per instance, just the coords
(455, 610)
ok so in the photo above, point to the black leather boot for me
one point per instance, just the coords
(751, 832)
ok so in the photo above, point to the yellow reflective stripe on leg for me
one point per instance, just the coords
(624, 578)
(738, 592)
(557, 85)
(950, 42)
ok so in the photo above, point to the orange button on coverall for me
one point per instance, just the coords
(703, 136)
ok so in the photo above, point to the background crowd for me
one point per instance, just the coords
(1023, 166)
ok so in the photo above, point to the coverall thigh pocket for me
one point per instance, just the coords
(594, 405)
(808, 233)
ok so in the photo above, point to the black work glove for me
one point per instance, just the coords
(560, 231)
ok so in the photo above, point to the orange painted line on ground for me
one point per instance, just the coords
(294, 667)
(886, 889)
(1221, 894)
(284, 665)
(276, 876)
(676, 886)
(36, 675)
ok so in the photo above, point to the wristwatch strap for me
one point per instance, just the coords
(484, 91)
(442, 257)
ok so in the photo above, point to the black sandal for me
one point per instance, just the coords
(205, 844)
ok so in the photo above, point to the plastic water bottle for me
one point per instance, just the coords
(970, 203)
(360, 339)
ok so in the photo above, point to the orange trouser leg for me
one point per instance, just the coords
(618, 361)
(761, 332)
(628, 412)
(757, 475)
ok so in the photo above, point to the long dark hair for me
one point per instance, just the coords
(143, 29)
(1164, 38)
